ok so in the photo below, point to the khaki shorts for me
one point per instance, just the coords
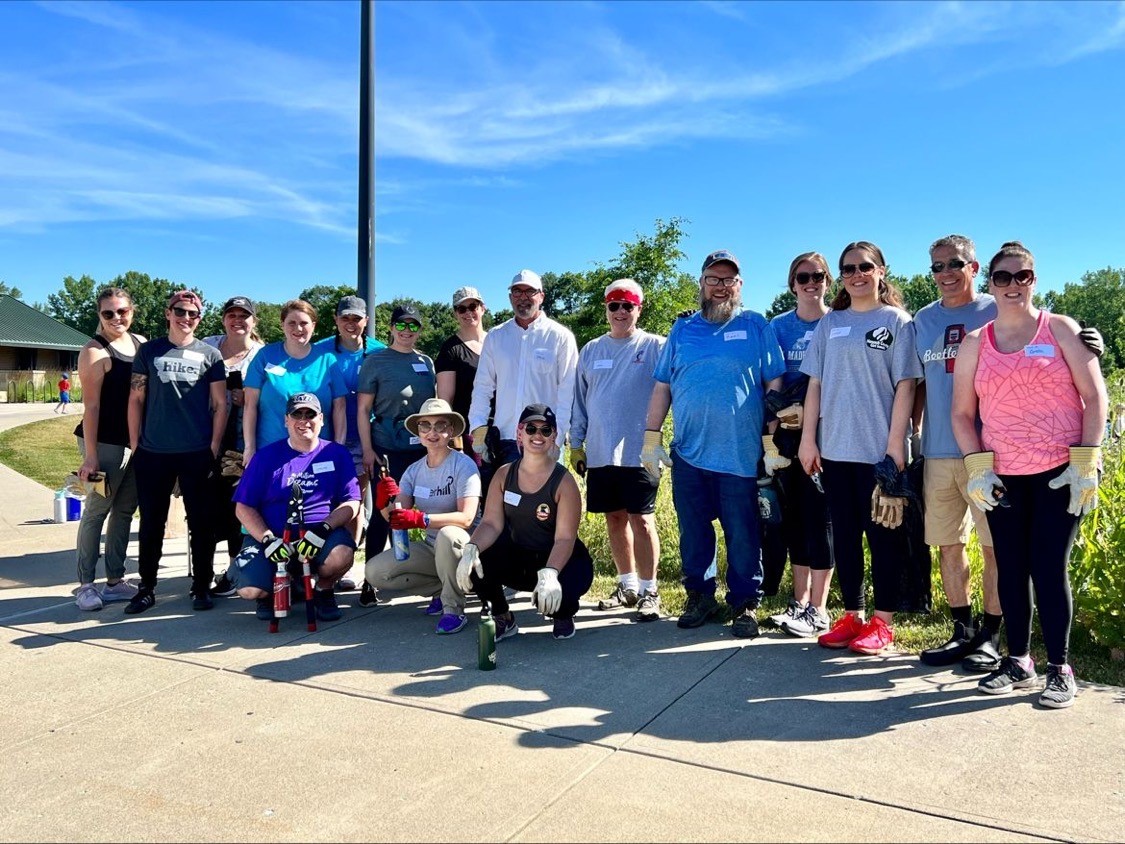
(948, 509)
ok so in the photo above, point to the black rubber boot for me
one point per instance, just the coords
(960, 645)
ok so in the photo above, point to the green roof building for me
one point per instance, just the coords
(33, 345)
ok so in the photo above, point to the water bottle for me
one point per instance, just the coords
(769, 507)
(486, 640)
(400, 541)
(60, 506)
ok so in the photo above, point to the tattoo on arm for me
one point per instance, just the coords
(138, 382)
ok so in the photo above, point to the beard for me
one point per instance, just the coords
(717, 311)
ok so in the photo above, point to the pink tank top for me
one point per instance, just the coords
(1030, 409)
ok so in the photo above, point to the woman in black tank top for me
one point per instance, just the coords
(528, 538)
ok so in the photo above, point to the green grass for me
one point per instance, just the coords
(45, 451)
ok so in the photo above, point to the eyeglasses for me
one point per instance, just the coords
(439, 427)
(464, 309)
(953, 265)
(715, 281)
(185, 313)
(805, 278)
(848, 270)
(108, 314)
(523, 292)
(412, 327)
(532, 430)
(1022, 278)
(616, 306)
(303, 414)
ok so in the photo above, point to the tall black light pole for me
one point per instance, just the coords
(365, 235)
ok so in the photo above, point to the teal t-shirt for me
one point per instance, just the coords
(349, 364)
(278, 376)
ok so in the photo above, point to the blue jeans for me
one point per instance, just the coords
(701, 496)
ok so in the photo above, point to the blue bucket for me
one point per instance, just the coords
(73, 508)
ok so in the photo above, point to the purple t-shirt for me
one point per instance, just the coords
(326, 476)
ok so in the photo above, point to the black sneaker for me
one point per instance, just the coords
(563, 628)
(264, 610)
(699, 608)
(223, 588)
(1010, 675)
(959, 646)
(745, 625)
(368, 596)
(985, 656)
(326, 607)
(201, 599)
(621, 597)
(145, 599)
(1061, 688)
(506, 626)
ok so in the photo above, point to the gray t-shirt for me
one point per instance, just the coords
(400, 382)
(437, 490)
(178, 394)
(611, 394)
(859, 357)
(938, 334)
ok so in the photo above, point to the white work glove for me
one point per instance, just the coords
(771, 458)
(886, 510)
(983, 480)
(653, 456)
(1082, 475)
(469, 563)
(548, 591)
(792, 417)
(479, 445)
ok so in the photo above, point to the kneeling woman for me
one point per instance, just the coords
(441, 493)
(528, 538)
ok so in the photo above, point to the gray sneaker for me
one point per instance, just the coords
(811, 622)
(88, 598)
(1061, 687)
(621, 597)
(648, 607)
(1010, 675)
(793, 611)
(123, 590)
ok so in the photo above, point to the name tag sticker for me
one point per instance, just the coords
(512, 498)
(422, 492)
(603, 364)
(190, 355)
(842, 331)
(1039, 350)
(421, 367)
(734, 335)
(322, 467)
(275, 369)
(415, 440)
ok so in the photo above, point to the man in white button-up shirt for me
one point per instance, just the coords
(530, 359)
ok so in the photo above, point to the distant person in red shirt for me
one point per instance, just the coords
(64, 393)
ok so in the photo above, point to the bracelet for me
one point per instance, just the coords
(426, 519)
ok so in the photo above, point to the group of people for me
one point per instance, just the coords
(831, 401)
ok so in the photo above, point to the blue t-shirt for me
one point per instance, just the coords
(326, 476)
(794, 334)
(278, 376)
(717, 374)
(349, 364)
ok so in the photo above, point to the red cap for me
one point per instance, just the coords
(185, 296)
(625, 290)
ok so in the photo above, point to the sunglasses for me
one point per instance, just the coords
(954, 265)
(715, 281)
(848, 270)
(108, 314)
(532, 430)
(805, 278)
(304, 414)
(412, 327)
(616, 306)
(185, 313)
(464, 309)
(439, 427)
(1022, 278)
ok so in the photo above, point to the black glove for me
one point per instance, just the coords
(311, 544)
(1092, 339)
(684, 314)
(276, 550)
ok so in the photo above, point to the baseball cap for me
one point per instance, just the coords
(721, 255)
(528, 277)
(351, 306)
(538, 413)
(625, 290)
(463, 293)
(185, 296)
(405, 312)
(298, 400)
(239, 302)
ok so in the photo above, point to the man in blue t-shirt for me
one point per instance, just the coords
(713, 373)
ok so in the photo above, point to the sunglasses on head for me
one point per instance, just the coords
(616, 306)
(439, 427)
(464, 309)
(1022, 278)
(305, 414)
(109, 314)
(185, 313)
(532, 429)
(805, 278)
(953, 265)
(848, 270)
(412, 327)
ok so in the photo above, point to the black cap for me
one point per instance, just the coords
(298, 400)
(405, 312)
(721, 255)
(538, 413)
(351, 306)
(239, 302)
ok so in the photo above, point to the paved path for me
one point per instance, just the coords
(182, 726)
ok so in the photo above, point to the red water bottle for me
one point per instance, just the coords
(280, 595)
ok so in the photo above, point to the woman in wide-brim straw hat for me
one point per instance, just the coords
(439, 494)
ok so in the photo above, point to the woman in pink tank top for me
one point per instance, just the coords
(1034, 465)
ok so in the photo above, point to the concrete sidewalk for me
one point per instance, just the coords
(181, 726)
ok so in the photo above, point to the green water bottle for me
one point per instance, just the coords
(486, 640)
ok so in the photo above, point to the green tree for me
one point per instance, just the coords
(75, 305)
(917, 291)
(324, 297)
(1097, 300)
(14, 292)
(150, 296)
(781, 303)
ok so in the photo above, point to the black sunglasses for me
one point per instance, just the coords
(953, 265)
(464, 309)
(304, 414)
(185, 313)
(1022, 278)
(108, 314)
(848, 270)
(532, 429)
(616, 306)
(805, 278)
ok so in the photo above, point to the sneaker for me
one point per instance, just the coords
(985, 655)
(145, 599)
(621, 597)
(223, 588)
(843, 632)
(122, 590)
(699, 608)
(563, 628)
(960, 645)
(648, 606)
(811, 622)
(875, 637)
(88, 599)
(505, 625)
(326, 607)
(745, 625)
(368, 597)
(345, 584)
(435, 607)
(1061, 687)
(201, 600)
(451, 623)
(793, 611)
(1010, 675)
(264, 610)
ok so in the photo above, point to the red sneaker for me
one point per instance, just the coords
(874, 638)
(843, 632)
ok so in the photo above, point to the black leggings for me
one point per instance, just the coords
(378, 529)
(507, 564)
(156, 477)
(1033, 538)
(848, 487)
(804, 519)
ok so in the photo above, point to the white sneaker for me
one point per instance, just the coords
(811, 622)
(88, 598)
(123, 590)
(791, 612)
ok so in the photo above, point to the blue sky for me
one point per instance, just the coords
(215, 143)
